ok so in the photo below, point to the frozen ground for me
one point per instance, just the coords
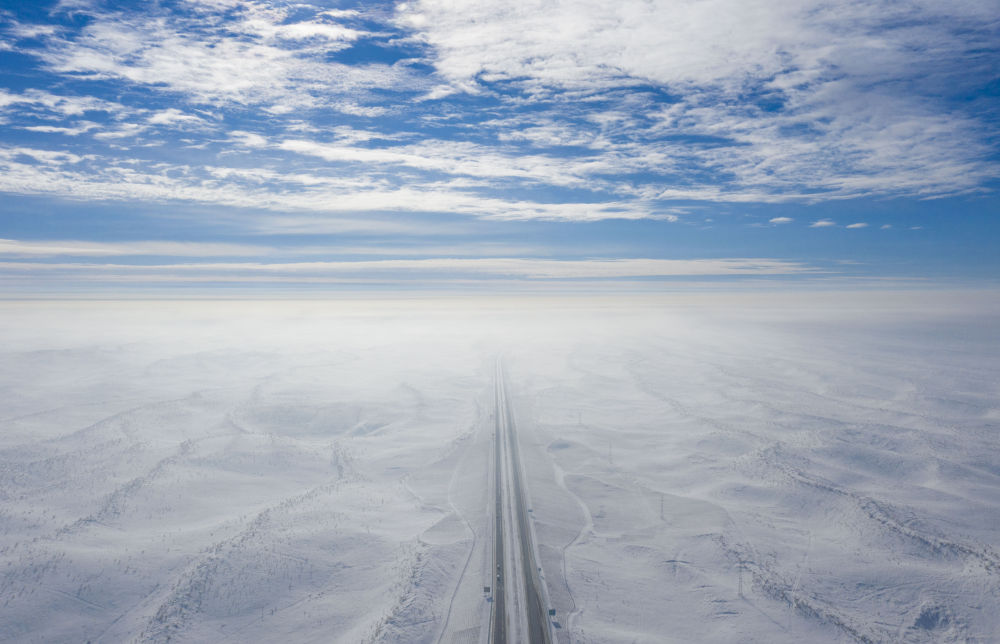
(701, 469)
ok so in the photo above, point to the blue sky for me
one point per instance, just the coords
(210, 145)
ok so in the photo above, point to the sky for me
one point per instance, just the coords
(264, 147)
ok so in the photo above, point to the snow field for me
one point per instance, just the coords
(715, 469)
(846, 470)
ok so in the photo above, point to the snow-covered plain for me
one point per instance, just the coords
(704, 468)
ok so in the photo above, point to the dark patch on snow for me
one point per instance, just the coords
(931, 617)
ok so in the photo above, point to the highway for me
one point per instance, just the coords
(519, 606)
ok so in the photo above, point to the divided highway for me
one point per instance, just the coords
(519, 607)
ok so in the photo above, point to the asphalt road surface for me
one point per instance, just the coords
(519, 607)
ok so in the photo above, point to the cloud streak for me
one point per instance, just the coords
(425, 272)
(174, 249)
(40, 171)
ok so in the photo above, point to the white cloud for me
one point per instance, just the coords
(822, 223)
(341, 13)
(68, 131)
(768, 102)
(174, 117)
(51, 158)
(122, 131)
(355, 109)
(858, 225)
(303, 30)
(91, 249)
(409, 269)
(885, 226)
(334, 194)
(247, 139)
(721, 43)
(75, 248)
(21, 30)
(817, 102)
(456, 158)
(247, 53)
(781, 220)
(493, 163)
(40, 101)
